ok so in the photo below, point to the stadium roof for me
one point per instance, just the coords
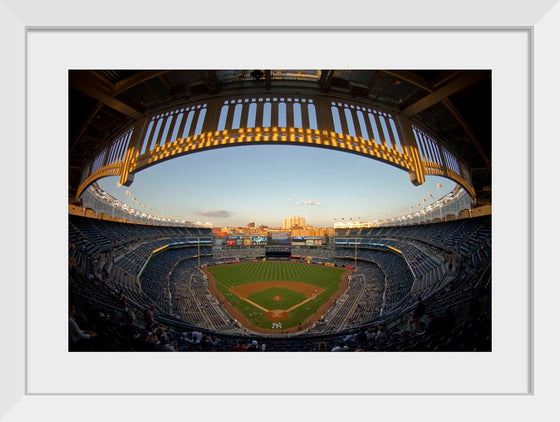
(454, 104)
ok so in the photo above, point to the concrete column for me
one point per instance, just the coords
(244, 114)
(324, 116)
(410, 147)
(132, 152)
(289, 113)
(274, 112)
(260, 113)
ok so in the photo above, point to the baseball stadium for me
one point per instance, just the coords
(413, 280)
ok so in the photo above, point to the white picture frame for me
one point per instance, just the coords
(539, 21)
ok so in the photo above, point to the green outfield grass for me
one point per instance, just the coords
(230, 276)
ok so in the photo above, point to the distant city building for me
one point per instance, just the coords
(291, 222)
(313, 231)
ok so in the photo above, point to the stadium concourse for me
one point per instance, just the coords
(417, 282)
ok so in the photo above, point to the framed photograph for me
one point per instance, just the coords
(43, 377)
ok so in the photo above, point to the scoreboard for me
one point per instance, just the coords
(279, 239)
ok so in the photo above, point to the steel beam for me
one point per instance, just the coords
(454, 86)
(101, 90)
(135, 80)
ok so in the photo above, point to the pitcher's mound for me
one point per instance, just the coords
(277, 298)
(277, 315)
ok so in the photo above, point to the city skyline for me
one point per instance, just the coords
(292, 221)
(266, 183)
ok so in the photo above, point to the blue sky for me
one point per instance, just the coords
(266, 183)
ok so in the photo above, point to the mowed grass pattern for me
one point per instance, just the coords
(229, 276)
(265, 298)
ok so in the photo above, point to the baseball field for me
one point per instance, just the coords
(276, 296)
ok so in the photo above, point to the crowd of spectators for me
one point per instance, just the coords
(170, 308)
(110, 322)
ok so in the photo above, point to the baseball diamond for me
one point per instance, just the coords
(271, 296)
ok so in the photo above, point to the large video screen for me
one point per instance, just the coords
(279, 239)
(259, 239)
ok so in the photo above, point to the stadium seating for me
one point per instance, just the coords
(110, 260)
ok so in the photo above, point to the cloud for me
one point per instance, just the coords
(288, 199)
(217, 213)
(312, 202)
